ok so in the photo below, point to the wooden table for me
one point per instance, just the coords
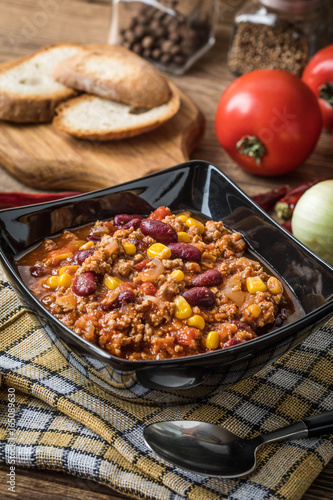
(27, 25)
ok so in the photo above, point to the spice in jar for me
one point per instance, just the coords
(278, 34)
(170, 34)
(257, 46)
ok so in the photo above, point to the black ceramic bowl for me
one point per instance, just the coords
(204, 190)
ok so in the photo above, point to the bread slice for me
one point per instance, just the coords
(115, 73)
(96, 118)
(28, 92)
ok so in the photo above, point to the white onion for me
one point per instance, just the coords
(312, 220)
(232, 288)
(112, 247)
(156, 300)
(153, 272)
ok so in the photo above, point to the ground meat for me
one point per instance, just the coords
(122, 267)
(214, 230)
(136, 310)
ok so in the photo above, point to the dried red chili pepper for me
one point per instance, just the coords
(267, 200)
(286, 205)
(12, 200)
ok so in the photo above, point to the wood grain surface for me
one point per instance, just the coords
(43, 157)
(27, 25)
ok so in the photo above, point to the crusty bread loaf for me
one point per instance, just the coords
(28, 92)
(115, 73)
(97, 118)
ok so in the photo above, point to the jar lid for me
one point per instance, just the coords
(293, 6)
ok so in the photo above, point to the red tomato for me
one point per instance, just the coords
(268, 121)
(318, 74)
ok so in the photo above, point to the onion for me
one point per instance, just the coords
(232, 288)
(156, 300)
(112, 247)
(312, 220)
(153, 272)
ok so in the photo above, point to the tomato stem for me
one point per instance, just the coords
(326, 93)
(251, 146)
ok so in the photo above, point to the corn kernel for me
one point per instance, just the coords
(182, 217)
(196, 321)
(183, 308)
(253, 311)
(255, 284)
(213, 340)
(77, 244)
(111, 282)
(208, 256)
(65, 279)
(52, 282)
(178, 275)
(63, 256)
(190, 222)
(159, 250)
(274, 285)
(68, 269)
(130, 248)
(183, 237)
(89, 244)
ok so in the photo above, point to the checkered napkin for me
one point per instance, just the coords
(63, 421)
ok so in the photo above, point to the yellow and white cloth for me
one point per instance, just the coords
(63, 421)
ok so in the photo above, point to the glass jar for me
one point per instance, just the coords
(170, 34)
(278, 34)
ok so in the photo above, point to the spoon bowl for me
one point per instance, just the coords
(210, 450)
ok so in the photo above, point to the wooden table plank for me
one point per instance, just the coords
(25, 26)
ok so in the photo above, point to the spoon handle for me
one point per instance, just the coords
(319, 424)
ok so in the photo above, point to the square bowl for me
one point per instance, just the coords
(205, 191)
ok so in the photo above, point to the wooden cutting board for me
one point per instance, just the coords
(42, 157)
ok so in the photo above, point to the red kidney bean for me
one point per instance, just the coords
(39, 271)
(93, 237)
(185, 251)
(141, 245)
(85, 284)
(212, 277)
(160, 231)
(81, 255)
(140, 266)
(232, 342)
(126, 296)
(134, 223)
(106, 306)
(199, 296)
(121, 219)
(242, 326)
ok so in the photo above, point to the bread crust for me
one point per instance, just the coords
(144, 87)
(18, 108)
(122, 133)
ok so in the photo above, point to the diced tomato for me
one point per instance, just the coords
(160, 213)
(140, 266)
(148, 288)
(126, 285)
(185, 336)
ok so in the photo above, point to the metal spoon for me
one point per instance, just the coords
(210, 450)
